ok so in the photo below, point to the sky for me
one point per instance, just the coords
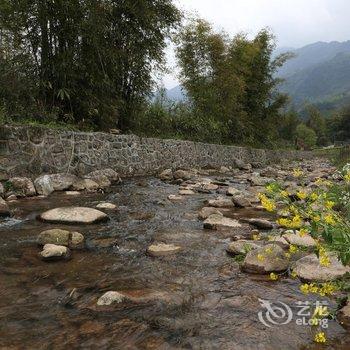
(295, 23)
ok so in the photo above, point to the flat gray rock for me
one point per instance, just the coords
(74, 215)
(308, 268)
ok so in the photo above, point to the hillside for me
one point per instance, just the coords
(319, 73)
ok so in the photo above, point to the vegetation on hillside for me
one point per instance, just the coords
(92, 65)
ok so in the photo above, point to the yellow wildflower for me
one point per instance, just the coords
(329, 219)
(287, 255)
(313, 288)
(273, 276)
(320, 337)
(261, 257)
(298, 172)
(304, 288)
(296, 221)
(329, 204)
(313, 196)
(267, 203)
(302, 195)
(293, 249)
(347, 177)
(268, 250)
(303, 232)
(284, 194)
(256, 237)
(294, 274)
(321, 311)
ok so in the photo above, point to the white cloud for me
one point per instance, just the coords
(295, 22)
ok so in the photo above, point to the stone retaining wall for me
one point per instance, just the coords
(26, 150)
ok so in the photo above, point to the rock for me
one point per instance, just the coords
(74, 215)
(242, 247)
(220, 203)
(22, 186)
(344, 315)
(205, 212)
(72, 193)
(162, 249)
(270, 258)
(11, 198)
(4, 208)
(257, 180)
(182, 174)
(85, 184)
(175, 198)
(54, 252)
(135, 296)
(110, 298)
(231, 191)
(242, 165)
(241, 202)
(166, 175)
(62, 238)
(300, 241)
(217, 221)
(308, 268)
(106, 206)
(261, 223)
(109, 173)
(2, 190)
(209, 187)
(43, 185)
(186, 192)
(224, 170)
(282, 242)
(62, 182)
(106, 242)
(102, 181)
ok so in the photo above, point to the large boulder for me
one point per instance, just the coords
(4, 208)
(21, 186)
(232, 191)
(216, 221)
(54, 252)
(270, 258)
(74, 215)
(62, 182)
(43, 185)
(61, 237)
(309, 268)
(46, 184)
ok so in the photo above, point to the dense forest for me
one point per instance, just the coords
(92, 65)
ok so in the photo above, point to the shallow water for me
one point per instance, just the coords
(206, 303)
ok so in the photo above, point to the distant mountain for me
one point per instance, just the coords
(176, 93)
(311, 55)
(319, 74)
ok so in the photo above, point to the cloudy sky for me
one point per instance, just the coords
(295, 22)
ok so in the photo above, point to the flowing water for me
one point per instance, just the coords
(205, 301)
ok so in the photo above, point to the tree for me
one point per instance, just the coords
(92, 60)
(288, 125)
(317, 122)
(306, 136)
(232, 81)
